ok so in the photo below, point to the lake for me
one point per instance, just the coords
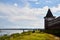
(9, 32)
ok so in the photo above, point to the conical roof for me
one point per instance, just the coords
(49, 13)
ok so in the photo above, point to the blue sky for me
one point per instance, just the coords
(26, 13)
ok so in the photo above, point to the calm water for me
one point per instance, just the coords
(9, 32)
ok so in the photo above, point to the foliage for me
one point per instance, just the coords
(29, 36)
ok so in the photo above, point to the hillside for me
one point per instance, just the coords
(29, 36)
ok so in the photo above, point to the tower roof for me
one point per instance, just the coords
(49, 13)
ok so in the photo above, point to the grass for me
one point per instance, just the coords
(37, 35)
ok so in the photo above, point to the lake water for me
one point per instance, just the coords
(9, 32)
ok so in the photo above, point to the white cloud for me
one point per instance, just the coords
(15, 4)
(37, 3)
(48, 1)
(26, 13)
(15, 14)
(33, 0)
(55, 9)
(17, 18)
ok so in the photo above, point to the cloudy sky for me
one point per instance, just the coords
(26, 13)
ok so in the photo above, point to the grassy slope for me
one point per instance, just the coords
(29, 36)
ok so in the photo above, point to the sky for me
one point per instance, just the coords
(26, 13)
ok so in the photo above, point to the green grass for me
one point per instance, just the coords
(29, 36)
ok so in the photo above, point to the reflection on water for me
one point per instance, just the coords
(2, 32)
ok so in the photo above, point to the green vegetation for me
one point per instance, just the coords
(56, 31)
(37, 35)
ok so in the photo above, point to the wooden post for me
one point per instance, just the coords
(33, 31)
(23, 30)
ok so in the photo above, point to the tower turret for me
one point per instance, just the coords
(49, 16)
